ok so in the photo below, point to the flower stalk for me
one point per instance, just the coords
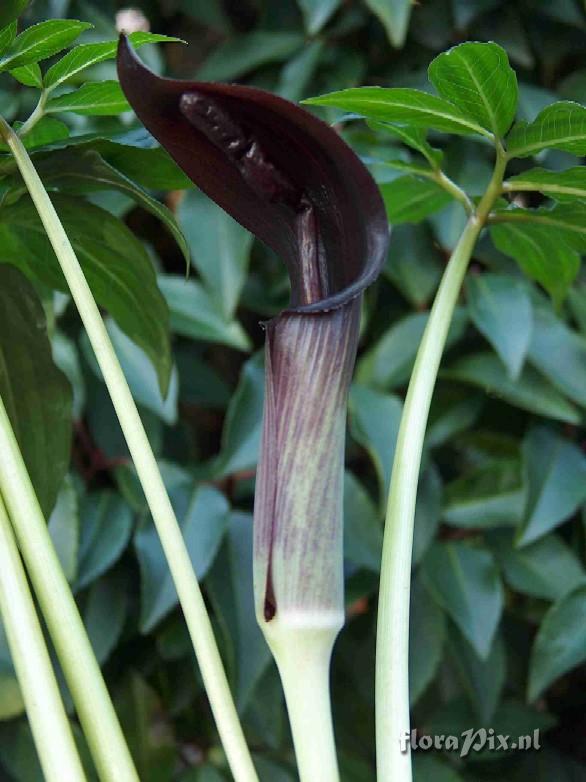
(392, 654)
(49, 724)
(188, 590)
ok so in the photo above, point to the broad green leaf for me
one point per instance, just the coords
(140, 374)
(427, 634)
(46, 131)
(220, 248)
(478, 79)
(390, 361)
(488, 496)
(556, 482)
(404, 105)
(466, 583)
(242, 427)
(11, 10)
(568, 219)
(409, 199)
(374, 424)
(500, 308)
(41, 41)
(483, 680)
(35, 393)
(394, 15)
(196, 315)
(427, 511)
(363, 532)
(104, 98)
(29, 75)
(106, 524)
(560, 644)
(105, 612)
(297, 74)
(203, 514)
(562, 186)
(88, 54)
(414, 137)
(7, 35)
(66, 357)
(316, 13)
(118, 269)
(428, 767)
(244, 53)
(547, 569)
(85, 171)
(414, 263)
(64, 528)
(229, 584)
(541, 252)
(577, 303)
(530, 392)
(452, 411)
(560, 354)
(560, 126)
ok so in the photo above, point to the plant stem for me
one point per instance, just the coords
(302, 647)
(76, 655)
(392, 658)
(454, 190)
(49, 724)
(190, 596)
(36, 116)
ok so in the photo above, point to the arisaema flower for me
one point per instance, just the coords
(293, 182)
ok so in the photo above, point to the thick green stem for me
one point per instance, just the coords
(302, 647)
(190, 596)
(392, 653)
(74, 650)
(49, 724)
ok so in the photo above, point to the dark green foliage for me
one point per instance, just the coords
(498, 602)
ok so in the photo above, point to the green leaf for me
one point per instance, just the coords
(203, 514)
(220, 248)
(229, 584)
(105, 613)
(46, 131)
(11, 10)
(106, 524)
(428, 767)
(501, 310)
(547, 569)
(85, 171)
(478, 79)
(196, 315)
(414, 137)
(374, 424)
(118, 269)
(244, 53)
(88, 54)
(100, 99)
(404, 105)
(394, 16)
(414, 263)
(577, 303)
(64, 528)
(427, 635)
(530, 392)
(466, 583)
(541, 252)
(409, 199)
(562, 186)
(7, 35)
(556, 482)
(488, 496)
(482, 680)
(29, 75)
(560, 644)
(35, 393)
(41, 41)
(363, 533)
(316, 13)
(568, 219)
(561, 126)
(427, 511)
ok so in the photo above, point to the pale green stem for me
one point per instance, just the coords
(302, 647)
(188, 590)
(74, 650)
(454, 190)
(392, 652)
(49, 724)
(36, 116)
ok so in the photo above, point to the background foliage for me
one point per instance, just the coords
(499, 587)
